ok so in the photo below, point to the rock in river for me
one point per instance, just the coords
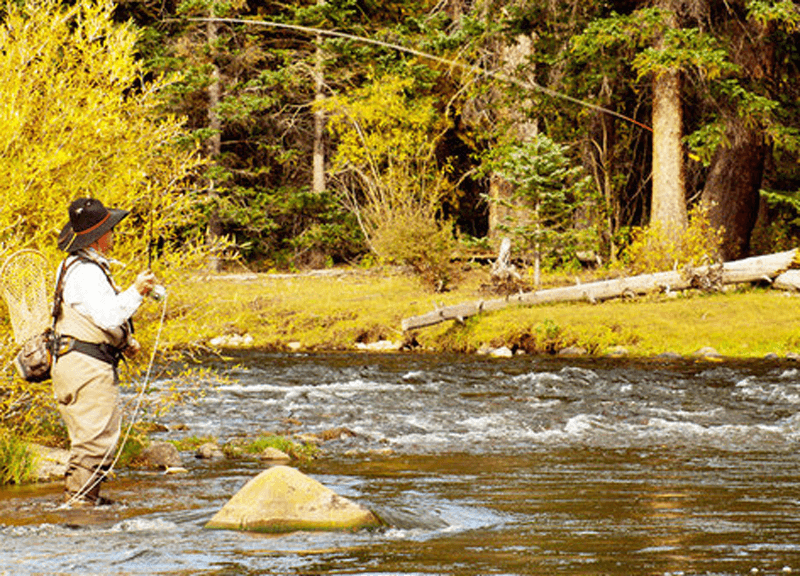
(282, 499)
(160, 455)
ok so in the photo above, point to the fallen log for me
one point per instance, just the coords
(755, 269)
(789, 280)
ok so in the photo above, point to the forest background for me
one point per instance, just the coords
(327, 132)
(635, 136)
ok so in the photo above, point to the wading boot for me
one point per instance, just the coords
(87, 498)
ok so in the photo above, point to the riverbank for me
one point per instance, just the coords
(354, 309)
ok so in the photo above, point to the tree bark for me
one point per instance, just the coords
(318, 183)
(214, 229)
(732, 188)
(668, 208)
(737, 168)
(500, 209)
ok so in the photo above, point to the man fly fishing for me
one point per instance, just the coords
(92, 331)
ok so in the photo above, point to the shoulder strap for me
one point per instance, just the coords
(58, 296)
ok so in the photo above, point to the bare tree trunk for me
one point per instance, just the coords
(668, 208)
(737, 169)
(600, 158)
(537, 247)
(500, 192)
(319, 119)
(214, 230)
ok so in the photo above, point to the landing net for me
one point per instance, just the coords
(24, 287)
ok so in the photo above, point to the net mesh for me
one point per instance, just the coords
(24, 288)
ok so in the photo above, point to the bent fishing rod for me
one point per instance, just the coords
(478, 70)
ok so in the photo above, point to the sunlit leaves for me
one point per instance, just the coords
(656, 46)
(785, 13)
(385, 162)
(77, 118)
(385, 134)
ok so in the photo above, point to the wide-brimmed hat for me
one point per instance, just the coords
(88, 221)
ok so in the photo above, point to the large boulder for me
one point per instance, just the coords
(282, 499)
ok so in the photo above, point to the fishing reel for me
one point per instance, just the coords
(158, 292)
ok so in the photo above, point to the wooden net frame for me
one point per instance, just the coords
(23, 285)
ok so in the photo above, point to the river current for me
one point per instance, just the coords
(526, 465)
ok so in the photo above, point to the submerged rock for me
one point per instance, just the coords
(270, 453)
(160, 455)
(282, 499)
(209, 451)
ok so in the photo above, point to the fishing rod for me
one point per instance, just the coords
(150, 233)
(158, 293)
(478, 70)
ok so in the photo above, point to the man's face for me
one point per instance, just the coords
(105, 242)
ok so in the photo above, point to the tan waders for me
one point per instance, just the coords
(88, 399)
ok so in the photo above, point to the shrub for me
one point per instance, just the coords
(651, 250)
(419, 240)
(385, 169)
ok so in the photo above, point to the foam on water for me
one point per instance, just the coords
(421, 410)
(518, 466)
(144, 525)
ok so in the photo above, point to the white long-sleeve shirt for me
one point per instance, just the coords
(89, 292)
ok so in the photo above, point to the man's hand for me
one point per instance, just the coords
(133, 347)
(144, 282)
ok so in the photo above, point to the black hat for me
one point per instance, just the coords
(89, 220)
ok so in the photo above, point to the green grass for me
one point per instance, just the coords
(17, 461)
(239, 447)
(335, 313)
(285, 445)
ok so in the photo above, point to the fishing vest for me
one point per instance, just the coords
(76, 332)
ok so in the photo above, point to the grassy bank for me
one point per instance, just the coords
(339, 310)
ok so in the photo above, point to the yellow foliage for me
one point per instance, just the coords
(651, 250)
(78, 118)
(385, 163)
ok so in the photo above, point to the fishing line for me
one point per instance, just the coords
(97, 478)
(468, 67)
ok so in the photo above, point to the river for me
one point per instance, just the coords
(482, 466)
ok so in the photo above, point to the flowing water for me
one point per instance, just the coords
(480, 466)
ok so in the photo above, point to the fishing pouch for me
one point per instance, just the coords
(35, 358)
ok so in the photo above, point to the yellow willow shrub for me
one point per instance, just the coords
(79, 118)
(653, 251)
(385, 166)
